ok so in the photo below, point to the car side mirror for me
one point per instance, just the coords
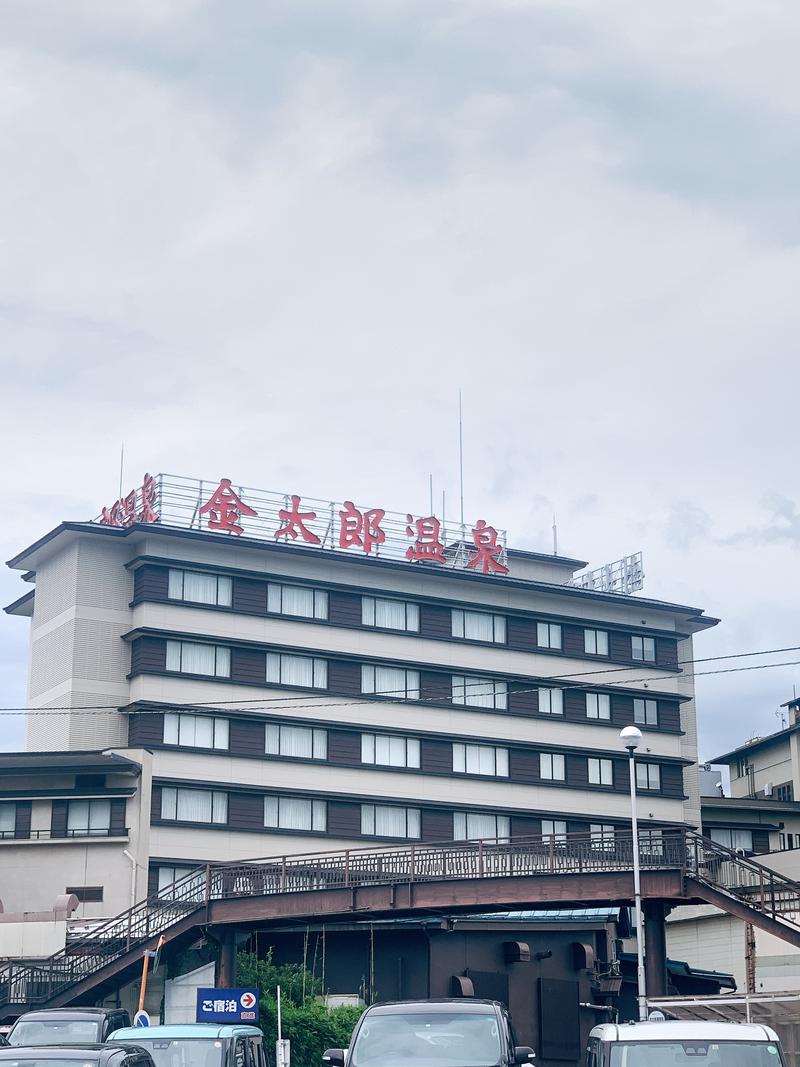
(333, 1057)
(524, 1054)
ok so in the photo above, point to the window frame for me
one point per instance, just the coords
(499, 692)
(221, 653)
(183, 599)
(549, 629)
(458, 621)
(219, 725)
(319, 668)
(602, 836)
(89, 830)
(369, 604)
(643, 642)
(411, 744)
(317, 810)
(319, 740)
(219, 799)
(551, 691)
(559, 836)
(320, 604)
(602, 763)
(466, 815)
(370, 811)
(646, 704)
(648, 772)
(593, 636)
(5, 832)
(499, 754)
(599, 700)
(554, 761)
(395, 694)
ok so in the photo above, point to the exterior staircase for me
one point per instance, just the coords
(107, 956)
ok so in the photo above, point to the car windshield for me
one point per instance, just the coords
(696, 1053)
(430, 1039)
(86, 1060)
(55, 1032)
(183, 1051)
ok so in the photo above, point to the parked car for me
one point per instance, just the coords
(198, 1044)
(674, 1043)
(432, 1033)
(67, 1026)
(86, 1055)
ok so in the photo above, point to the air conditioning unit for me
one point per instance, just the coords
(768, 789)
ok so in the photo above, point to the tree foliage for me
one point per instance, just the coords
(309, 1025)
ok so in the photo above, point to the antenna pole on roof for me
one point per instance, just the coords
(555, 536)
(121, 466)
(461, 459)
(430, 486)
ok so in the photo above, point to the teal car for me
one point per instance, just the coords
(197, 1044)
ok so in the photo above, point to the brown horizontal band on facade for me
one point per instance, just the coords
(165, 563)
(432, 676)
(247, 740)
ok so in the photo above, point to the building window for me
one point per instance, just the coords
(383, 820)
(595, 642)
(555, 828)
(194, 805)
(192, 890)
(300, 742)
(551, 767)
(480, 759)
(188, 657)
(394, 682)
(551, 701)
(598, 706)
(298, 600)
(479, 692)
(479, 626)
(200, 588)
(601, 771)
(601, 836)
(732, 838)
(86, 894)
(645, 712)
(648, 776)
(387, 750)
(643, 648)
(651, 843)
(548, 635)
(389, 614)
(8, 818)
(295, 813)
(785, 791)
(195, 731)
(283, 669)
(88, 818)
(478, 825)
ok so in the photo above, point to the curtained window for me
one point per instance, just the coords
(194, 889)
(299, 600)
(190, 657)
(478, 626)
(88, 817)
(194, 805)
(195, 731)
(200, 588)
(643, 648)
(383, 820)
(598, 706)
(295, 813)
(548, 635)
(556, 828)
(551, 767)
(389, 750)
(394, 682)
(551, 701)
(478, 825)
(601, 771)
(301, 742)
(389, 614)
(595, 642)
(645, 712)
(306, 671)
(601, 836)
(648, 776)
(480, 759)
(8, 818)
(479, 692)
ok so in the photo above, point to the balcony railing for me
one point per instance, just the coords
(48, 835)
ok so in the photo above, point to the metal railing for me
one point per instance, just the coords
(569, 854)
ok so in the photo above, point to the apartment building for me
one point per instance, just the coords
(373, 678)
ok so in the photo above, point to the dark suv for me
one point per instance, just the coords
(432, 1033)
(67, 1026)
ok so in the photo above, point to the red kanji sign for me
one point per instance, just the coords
(224, 509)
(123, 511)
(361, 529)
(294, 521)
(487, 549)
(427, 545)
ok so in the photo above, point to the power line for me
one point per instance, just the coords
(258, 704)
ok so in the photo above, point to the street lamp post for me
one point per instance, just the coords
(631, 738)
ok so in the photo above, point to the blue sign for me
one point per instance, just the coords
(227, 1006)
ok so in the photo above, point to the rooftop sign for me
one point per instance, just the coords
(222, 507)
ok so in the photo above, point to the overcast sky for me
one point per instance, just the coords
(270, 241)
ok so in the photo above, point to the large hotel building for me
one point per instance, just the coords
(200, 694)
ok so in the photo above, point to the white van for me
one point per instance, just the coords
(674, 1043)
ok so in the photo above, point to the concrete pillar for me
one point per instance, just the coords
(226, 959)
(655, 940)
